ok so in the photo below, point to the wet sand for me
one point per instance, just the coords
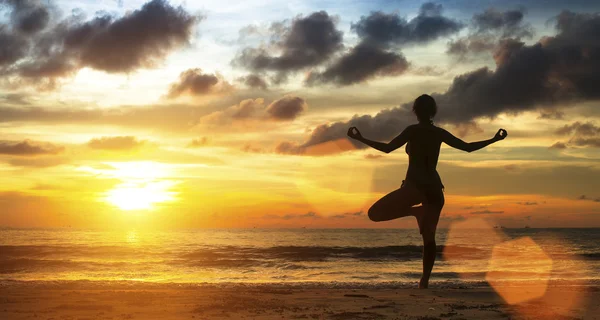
(132, 301)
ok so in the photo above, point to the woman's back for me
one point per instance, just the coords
(423, 150)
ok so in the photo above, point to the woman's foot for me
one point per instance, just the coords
(423, 283)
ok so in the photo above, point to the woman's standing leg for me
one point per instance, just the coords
(432, 210)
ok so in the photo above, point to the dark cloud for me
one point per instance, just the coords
(558, 70)
(116, 143)
(347, 215)
(246, 109)
(380, 33)
(308, 215)
(13, 49)
(38, 162)
(197, 143)
(15, 99)
(561, 69)
(579, 129)
(314, 215)
(286, 108)
(487, 212)
(27, 16)
(29, 148)
(254, 81)
(140, 39)
(383, 126)
(508, 23)
(558, 145)
(195, 83)
(582, 135)
(487, 29)
(462, 48)
(584, 197)
(551, 115)
(373, 156)
(307, 42)
(383, 29)
(137, 40)
(528, 203)
(287, 147)
(361, 63)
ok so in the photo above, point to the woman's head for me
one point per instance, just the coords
(425, 108)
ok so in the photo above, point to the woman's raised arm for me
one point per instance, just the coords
(449, 139)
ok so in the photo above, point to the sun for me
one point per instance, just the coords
(134, 196)
(144, 184)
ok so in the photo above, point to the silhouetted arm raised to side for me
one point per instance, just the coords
(457, 143)
(396, 143)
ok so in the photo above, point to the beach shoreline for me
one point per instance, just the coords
(138, 300)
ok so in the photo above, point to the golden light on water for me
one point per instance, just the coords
(521, 270)
(513, 257)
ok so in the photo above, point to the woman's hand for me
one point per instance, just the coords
(500, 135)
(354, 133)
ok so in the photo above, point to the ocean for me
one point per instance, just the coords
(309, 257)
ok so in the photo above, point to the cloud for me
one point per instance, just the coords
(314, 215)
(584, 197)
(283, 109)
(561, 69)
(27, 16)
(487, 212)
(373, 156)
(140, 39)
(116, 143)
(307, 42)
(558, 145)
(509, 23)
(579, 129)
(197, 143)
(14, 99)
(29, 148)
(383, 29)
(528, 203)
(308, 215)
(487, 30)
(582, 135)
(193, 82)
(164, 117)
(376, 54)
(246, 109)
(254, 81)
(361, 63)
(347, 215)
(462, 48)
(38, 162)
(551, 115)
(13, 47)
(383, 126)
(286, 108)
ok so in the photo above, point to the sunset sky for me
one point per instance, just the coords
(194, 114)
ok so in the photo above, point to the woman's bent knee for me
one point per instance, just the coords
(375, 215)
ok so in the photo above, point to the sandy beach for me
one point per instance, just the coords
(81, 301)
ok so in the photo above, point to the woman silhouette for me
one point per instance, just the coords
(422, 184)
